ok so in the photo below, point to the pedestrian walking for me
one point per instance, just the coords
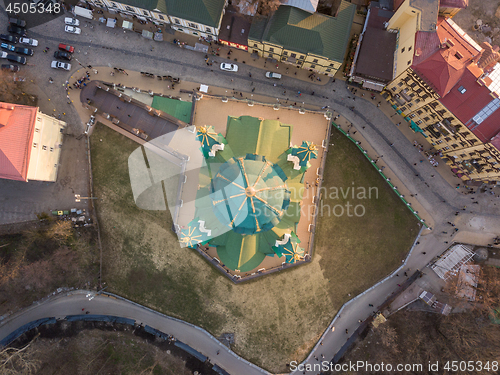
(346, 331)
(117, 107)
(370, 305)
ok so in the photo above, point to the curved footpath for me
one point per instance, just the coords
(72, 303)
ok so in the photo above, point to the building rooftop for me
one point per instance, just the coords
(441, 61)
(298, 30)
(462, 4)
(17, 126)
(429, 13)
(235, 28)
(159, 5)
(307, 5)
(206, 12)
(375, 58)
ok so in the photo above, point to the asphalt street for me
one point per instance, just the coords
(128, 50)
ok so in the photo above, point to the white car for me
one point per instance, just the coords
(28, 42)
(3, 55)
(273, 75)
(71, 21)
(229, 67)
(72, 29)
(60, 65)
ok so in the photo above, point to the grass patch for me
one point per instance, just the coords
(358, 250)
(276, 318)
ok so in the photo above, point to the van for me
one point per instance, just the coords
(273, 75)
(17, 22)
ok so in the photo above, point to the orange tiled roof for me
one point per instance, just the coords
(17, 124)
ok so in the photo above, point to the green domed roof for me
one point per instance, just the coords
(249, 194)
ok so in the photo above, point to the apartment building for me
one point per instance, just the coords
(306, 40)
(201, 18)
(450, 94)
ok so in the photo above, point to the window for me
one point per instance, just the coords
(193, 25)
(331, 65)
(161, 17)
(195, 33)
(44, 148)
(114, 5)
(293, 55)
(285, 53)
(393, 88)
(34, 145)
(301, 57)
(255, 45)
(418, 122)
(145, 13)
(313, 66)
(51, 149)
(129, 9)
(177, 21)
(328, 70)
(409, 62)
(271, 49)
(208, 29)
(402, 50)
(400, 84)
(37, 130)
(426, 118)
(270, 55)
(458, 55)
(409, 48)
(462, 90)
(315, 61)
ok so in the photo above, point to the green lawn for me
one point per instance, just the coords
(277, 318)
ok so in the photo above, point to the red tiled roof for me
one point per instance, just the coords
(465, 106)
(426, 43)
(462, 4)
(442, 70)
(17, 124)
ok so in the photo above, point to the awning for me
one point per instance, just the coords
(147, 34)
(142, 18)
(83, 12)
(373, 86)
(111, 22)
(127, 25)
(203, 88)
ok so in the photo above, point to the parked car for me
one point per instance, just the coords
(3, 55)
(229, 67)
(67, 48)
(8, 47)
(273, 75)
(72, 29)
(63, 55)
(10, 67)
(9, 38)
(29, 42)
(71, 21)
(24, 51)
(17, 22)
(17, 30)
(60, 65)
(16, 58)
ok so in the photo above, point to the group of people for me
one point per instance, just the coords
(81, 83)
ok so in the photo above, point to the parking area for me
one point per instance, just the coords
(21, 201)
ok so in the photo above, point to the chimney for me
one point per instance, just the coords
(489, 55)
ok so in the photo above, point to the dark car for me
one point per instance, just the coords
(63, 55)
(67, 48)
(17, 30)
(11, 67)
(24, 51)
(17, 59)
(9, 38)
(17, 22)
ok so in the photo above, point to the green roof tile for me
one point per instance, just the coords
(316, 33)
(206, 12)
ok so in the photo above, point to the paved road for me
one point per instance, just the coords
(72, 304)
(479, 223)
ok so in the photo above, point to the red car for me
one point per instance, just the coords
(65, 47)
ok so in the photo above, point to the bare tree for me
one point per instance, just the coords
(19, 361)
